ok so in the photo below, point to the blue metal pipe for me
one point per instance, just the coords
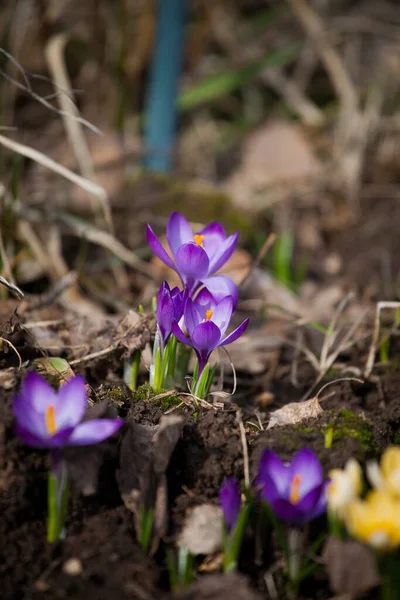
(161, 106)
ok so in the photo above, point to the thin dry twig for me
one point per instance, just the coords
(246, 467)
(5, 262)
(340, 78)
(13, 288)
(294, 97)
(108, 241)
(15, 350)
(375, 335)
(28, 89)
(55, 59)
(269, 242)
(49, 163)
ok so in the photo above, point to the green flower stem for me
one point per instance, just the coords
(182, 365)
(134, 370)
(201, 384)
(57, 499)
(233, 541)
(295, 547)
(173, 344)
(146, 519)
(390, 574)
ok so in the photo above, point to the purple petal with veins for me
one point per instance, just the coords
(94, 431)
(236, 333)
(221, 286)
(222, 314)
(71, 403)
(158, 249)
(223, 254)
(179, 232)
(192, 263)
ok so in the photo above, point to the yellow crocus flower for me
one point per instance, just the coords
(375, 520)
(345, 485)
(390, 469)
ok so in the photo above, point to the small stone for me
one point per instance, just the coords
(333, 263)
(41, 586)
(72, 567)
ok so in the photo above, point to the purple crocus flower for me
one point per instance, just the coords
(230, 501)
(170, 304)
(207, 328)
(295, 492)
(219, 287)
(196, 256)
(49, 419)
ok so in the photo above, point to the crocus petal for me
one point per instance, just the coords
(206, 336)
(320, 506)
(37, 393)
(307, 467)
(192, 316)
(31, 439)
(236, 333)
(221, 286)
(224, 253)
(222, 314)
(214, 238)
(28, 418)
(178, 300)
(178, 232)
(271, 466)
(164, 311)
(94, 431)
(205, 301)
(180, 336)
(230, 501)
(158, 249)
(192, 263)
(71, 403)
(286, 511)
(309, 501)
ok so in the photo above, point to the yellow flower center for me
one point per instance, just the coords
(209, 314)
(199, 239)
(51, 420)
(295, 489)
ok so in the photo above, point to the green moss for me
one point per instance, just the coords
(167, 402)
(304, 429)
(144, 393)
(202, 203)
(348, 425)
(116, 395)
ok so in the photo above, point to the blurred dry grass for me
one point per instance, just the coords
(281, 102)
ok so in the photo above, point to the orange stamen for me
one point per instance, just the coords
(199, 239)
(209, 314)
(295, 491)
(51, 420)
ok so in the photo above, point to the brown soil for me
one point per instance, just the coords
(101, 540)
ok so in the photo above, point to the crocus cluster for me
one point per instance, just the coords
(199, 315)
(294, 494)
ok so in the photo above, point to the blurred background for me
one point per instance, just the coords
(274, 117)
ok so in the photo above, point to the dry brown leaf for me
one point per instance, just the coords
(351, 566)
(276, 153)
(145, 453)
(295, 412)
(219, 587)
(202, 531)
